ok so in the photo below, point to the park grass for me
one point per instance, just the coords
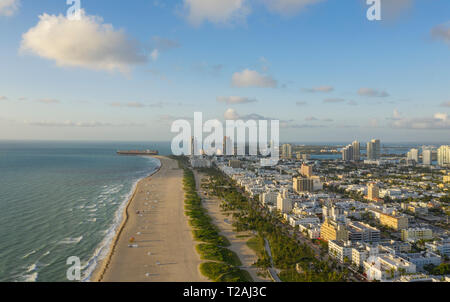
(222, 272)
(216, 253)
(224, 268)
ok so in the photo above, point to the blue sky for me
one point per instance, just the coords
(320, 67)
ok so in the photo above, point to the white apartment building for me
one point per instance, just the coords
(422, 259)
(415, 234)
(340, 250)
(362, 252)
(387, 266)
(284, 203)
(441, 246)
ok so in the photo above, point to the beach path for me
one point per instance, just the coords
(238, 241)
(163, 249)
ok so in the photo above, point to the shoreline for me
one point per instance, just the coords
(99, 271)
(155, 244)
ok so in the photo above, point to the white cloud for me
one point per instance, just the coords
(446, 104)
(251, 78)
(437, 121)
(8, 7)
(3, 98)
(216, 11)
(372, 93)
(288, 7)
(442, 32)
(235, 100)
(231, 114)
(319, 89)
(87, 43)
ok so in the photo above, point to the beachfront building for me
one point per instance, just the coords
(340, 250)
(284, 203)
(347, 153)
(413, 156)
(444, 156)
(415, 234)
(427, 156)
(356, 151)
(387, 266)
(333, 230)
(374, 149)
(362, 252)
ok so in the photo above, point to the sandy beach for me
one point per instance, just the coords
(163, 249)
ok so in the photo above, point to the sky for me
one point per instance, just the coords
(125, 70)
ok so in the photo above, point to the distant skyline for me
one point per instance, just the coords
(125, 71)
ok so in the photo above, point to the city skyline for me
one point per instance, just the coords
(331, 75)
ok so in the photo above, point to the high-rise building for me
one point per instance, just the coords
(413, 155)
(373, 192)
(374, 149)
(444, 156)
(286, 151)
(347, 153)
(302, 184)
(356, 151)
(427, 154)
(306, 170)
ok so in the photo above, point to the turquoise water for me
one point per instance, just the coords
(62, 199)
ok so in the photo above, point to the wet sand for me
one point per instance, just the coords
(163, 249)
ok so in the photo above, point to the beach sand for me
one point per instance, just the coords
(164, 249)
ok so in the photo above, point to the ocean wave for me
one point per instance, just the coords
(71, 240)
(30, 278)
(103, 248)
(29, 254)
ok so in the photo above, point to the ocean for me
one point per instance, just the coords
(59, 200)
